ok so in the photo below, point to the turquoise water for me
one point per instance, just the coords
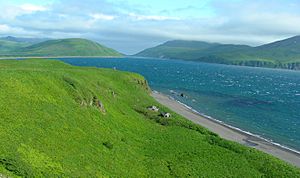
(262, 101)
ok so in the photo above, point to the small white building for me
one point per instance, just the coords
(153, 108)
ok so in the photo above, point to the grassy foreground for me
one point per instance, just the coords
(59, 120)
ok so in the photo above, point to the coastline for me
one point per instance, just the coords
(229, 132)
(58, 57)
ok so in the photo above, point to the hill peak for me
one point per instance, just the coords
(60, 47)
(188, 44)
(292, 42)
(73, 39)
(295, 37)
(10, 38)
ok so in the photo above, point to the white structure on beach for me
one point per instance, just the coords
(153, 108)
(166, 114)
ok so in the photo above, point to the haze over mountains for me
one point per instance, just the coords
(24, 40)
(280, 54)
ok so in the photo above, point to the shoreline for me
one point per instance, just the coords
(236, 128)
(58, 57)
(229, 132)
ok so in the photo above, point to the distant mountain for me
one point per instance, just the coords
(190, 50)
(280, 54)
(287, 50)
(61, 47)
(9, 44)
(24, 40)
(292, 43)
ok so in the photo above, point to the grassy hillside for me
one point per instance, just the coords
(8, 46)
(280, 54)
(62, 47)
(63, 121)
(191, 50)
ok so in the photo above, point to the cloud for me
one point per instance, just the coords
(4, 28)
(261, 18)
(100, 16)
(9, 30)
(151, 17)
(32, 8)
(129, 26)
(10, 12)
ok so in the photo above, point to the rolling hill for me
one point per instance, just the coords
(54, 48)
(7, 46)
(59, 120)
(280, 54)
(10, 43)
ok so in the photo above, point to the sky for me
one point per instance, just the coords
(130, 26)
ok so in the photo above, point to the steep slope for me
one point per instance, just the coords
(287, 50)
(63, 47)
(280, 54)
(63, 121)
(292, 43)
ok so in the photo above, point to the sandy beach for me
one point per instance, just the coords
(228, 132)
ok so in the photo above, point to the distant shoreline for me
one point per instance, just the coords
(229, 132)
(58, 57)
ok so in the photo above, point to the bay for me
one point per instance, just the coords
(262, 101)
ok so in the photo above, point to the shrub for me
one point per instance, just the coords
(108, 145)
(70, 81)
(16, 167)
(216, 140)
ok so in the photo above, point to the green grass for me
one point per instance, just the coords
(62, 47)
(49, 129)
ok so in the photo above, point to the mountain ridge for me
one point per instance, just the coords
(279, 54)
(56, 47)
(26, 40)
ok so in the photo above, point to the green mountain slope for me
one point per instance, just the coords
(9, 44)
(280, 54)
(63, 121)
(63, 47)
(287, 50)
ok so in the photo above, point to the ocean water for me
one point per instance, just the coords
(265, 102)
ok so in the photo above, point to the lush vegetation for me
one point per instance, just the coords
(53, 48)
(280, 54)
(59, 120)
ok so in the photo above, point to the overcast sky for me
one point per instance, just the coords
(132, 25)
